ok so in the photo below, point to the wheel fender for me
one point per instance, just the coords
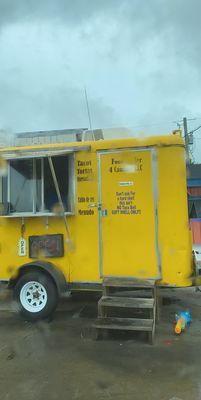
(51, 269)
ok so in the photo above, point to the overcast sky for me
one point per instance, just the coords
(140, 61)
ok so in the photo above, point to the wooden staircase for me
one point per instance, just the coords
(123, 296)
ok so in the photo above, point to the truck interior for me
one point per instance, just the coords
(29, 187)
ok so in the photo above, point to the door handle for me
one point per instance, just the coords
(95, 205)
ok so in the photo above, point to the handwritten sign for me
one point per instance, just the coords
(22, 247)
(46, 246)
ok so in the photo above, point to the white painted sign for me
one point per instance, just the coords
(22, 247)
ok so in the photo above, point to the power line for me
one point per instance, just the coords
(189, 140)
(194, 130)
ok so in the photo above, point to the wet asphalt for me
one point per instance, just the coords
(60, 359)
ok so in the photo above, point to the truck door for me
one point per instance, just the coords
(128, 214)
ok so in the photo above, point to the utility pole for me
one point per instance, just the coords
(186, 140)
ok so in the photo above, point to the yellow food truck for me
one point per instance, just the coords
(76, 213)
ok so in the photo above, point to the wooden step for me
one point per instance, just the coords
(128, 282)
(113, 301)
(128, 324)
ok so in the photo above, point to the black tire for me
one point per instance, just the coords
(47, 289)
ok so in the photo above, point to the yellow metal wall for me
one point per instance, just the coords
(128, 229)
(80, 263)
(174, 235)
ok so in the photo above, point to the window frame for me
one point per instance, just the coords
(34, 213)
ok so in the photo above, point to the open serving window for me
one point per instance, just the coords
(29, 189)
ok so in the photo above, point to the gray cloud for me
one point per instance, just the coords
(140, 61)
(67, 11)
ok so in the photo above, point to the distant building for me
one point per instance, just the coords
(51, 136)
(61, 136)
(194, 200)
(69, 135)
(5, 137)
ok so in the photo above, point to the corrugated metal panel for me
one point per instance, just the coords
(194, 191)
(196, 230)
(194, 171)
(193, 182)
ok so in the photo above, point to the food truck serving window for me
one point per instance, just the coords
(31, 189)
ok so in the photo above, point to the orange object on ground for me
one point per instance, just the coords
(178, 327)
(182, 320)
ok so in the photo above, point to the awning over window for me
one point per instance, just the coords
(41, 153)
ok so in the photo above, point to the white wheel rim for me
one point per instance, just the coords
(33, 296)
